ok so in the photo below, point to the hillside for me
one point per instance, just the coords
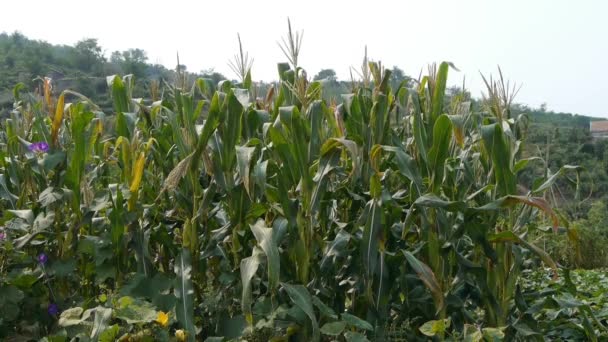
(82, 67)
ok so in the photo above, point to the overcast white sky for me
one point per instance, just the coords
(557, 49)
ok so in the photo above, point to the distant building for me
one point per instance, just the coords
(599, 129)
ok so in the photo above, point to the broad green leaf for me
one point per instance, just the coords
(419, 127)
(264, 236)
(134, 311)
(436, 327)
(546, 258)
(427, 276)
(215, 338)
(80, 119)
(51, 160)
(5, 193)
(379, 117)
(336, 248)
(505, 236)
(50, 195)
(371, 235)
(350, 146)
(472, 334)
(497, 146)
(439, 91)
(333, 328)
(249, 267)
(323, 308)
(549, 182)
(327, 164)
(508, 236)
(119, 93)
(110, 334)
(375, 186)
(509, 201)
(259, 175)
(524, 330)
(442, 137)
(407, 166)
(352, 336)
(433, 201)
(184, 293)
(291, 119)
(10, 294)
(314, 113)
(210, 125)
(230, 130)
(522, 163)
(205, 86)
(357, 322)
(300, 297)
(244, 156)
(493, 334)
(9, 312)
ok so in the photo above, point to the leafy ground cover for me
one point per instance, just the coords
(568, 307)
(208, 212)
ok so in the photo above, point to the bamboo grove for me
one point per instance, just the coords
(211, 212)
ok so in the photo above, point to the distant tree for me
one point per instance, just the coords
(215, 76)
(88, 55)
(326, 74)
(132, 61)
(18, 39)
(398, 76)
(159, 72)
(598, 217)
(453, 91)
(116, 57)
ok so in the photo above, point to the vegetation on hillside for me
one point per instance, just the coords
(204, 210)
(83, 66)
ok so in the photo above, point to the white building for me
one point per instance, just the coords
(599, 129)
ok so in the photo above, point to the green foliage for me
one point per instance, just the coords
(397, 206)
(82, 66)
(584, 244)
(569, 308)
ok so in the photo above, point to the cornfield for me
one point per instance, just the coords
(212, 213)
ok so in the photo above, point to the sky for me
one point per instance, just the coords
(555, 49)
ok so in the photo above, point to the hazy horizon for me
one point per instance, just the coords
(551, 48)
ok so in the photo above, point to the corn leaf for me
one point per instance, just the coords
(184, 293)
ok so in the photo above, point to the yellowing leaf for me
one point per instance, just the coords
(57, 119)
(432, 328)
(138, 172)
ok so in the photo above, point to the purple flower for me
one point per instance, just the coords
(39, 147)
(2, 235)
(53, 309)
(43, 258)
